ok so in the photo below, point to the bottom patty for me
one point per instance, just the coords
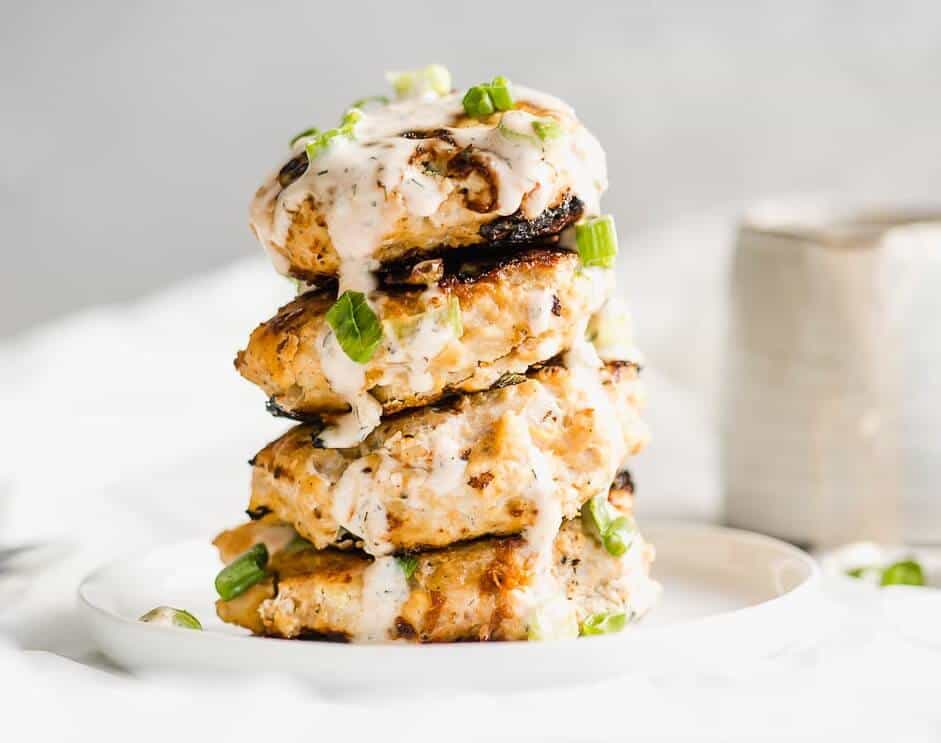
(488, 589)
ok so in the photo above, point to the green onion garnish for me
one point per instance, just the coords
(482, 100)
(614, 530)
(500, 93)
(547, 129)
(168, 616)
(409, 564)
(597, 241)
(321, 141)
(313, 131)
(603, 624)
(549, 623)
(356, 326)
(434, 78)
(454, 316)
(478, 103)
(242, 573)
(904, 573)
(382, 100)
(350, 119)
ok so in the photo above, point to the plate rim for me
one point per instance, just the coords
(808, 586)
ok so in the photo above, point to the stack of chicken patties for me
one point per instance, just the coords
(464, 380)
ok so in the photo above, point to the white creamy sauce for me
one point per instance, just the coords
(547, 610)
(539, 303)
(447, 467)
(610, 331)
(642, 590)
(385, 590)
(357, 505)
(367, 184)
(346, 378)
(364, 185)
(418, 347)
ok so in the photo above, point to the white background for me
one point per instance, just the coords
(133, 134)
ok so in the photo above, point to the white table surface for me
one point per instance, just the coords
(127, 426)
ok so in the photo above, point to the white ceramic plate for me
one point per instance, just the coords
(729, 596)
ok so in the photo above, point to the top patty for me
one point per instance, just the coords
(514, 311)
(416, 176)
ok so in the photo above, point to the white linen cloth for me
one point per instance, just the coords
(126, 426)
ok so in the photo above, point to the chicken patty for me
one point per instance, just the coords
(482, 590)
(477, 319)
(490, 462)
(420, 175)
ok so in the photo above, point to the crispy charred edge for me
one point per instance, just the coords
(504, 237)
(623, 481)
(293, 169)
(516, 228)
(441, 134)
(474, 264)
(273, 408)
(256, 514)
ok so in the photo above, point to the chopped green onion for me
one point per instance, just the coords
(357, 329)
(454, 316)
(864, 571)
(321, 141)
(409, 564)
(312, 132)
(363, 102)
(904, 573)
(242, 573)
(500, 93)
(350, 119)
(434, 78)
(482, 100)
(167, 616)
(547, 129)
(603, 623)
(614, 530)
(617, 538)
(438, 78)
(597, 241)
(478, 103)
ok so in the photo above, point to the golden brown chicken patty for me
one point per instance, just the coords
(290, 213)
(482, 590)
(479, 319)
(484, 463)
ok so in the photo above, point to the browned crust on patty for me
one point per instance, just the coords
(461, 593)
(495, 293)
(296, 481)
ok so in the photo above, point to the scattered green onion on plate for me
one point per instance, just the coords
(901, 573)
(167, 616)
